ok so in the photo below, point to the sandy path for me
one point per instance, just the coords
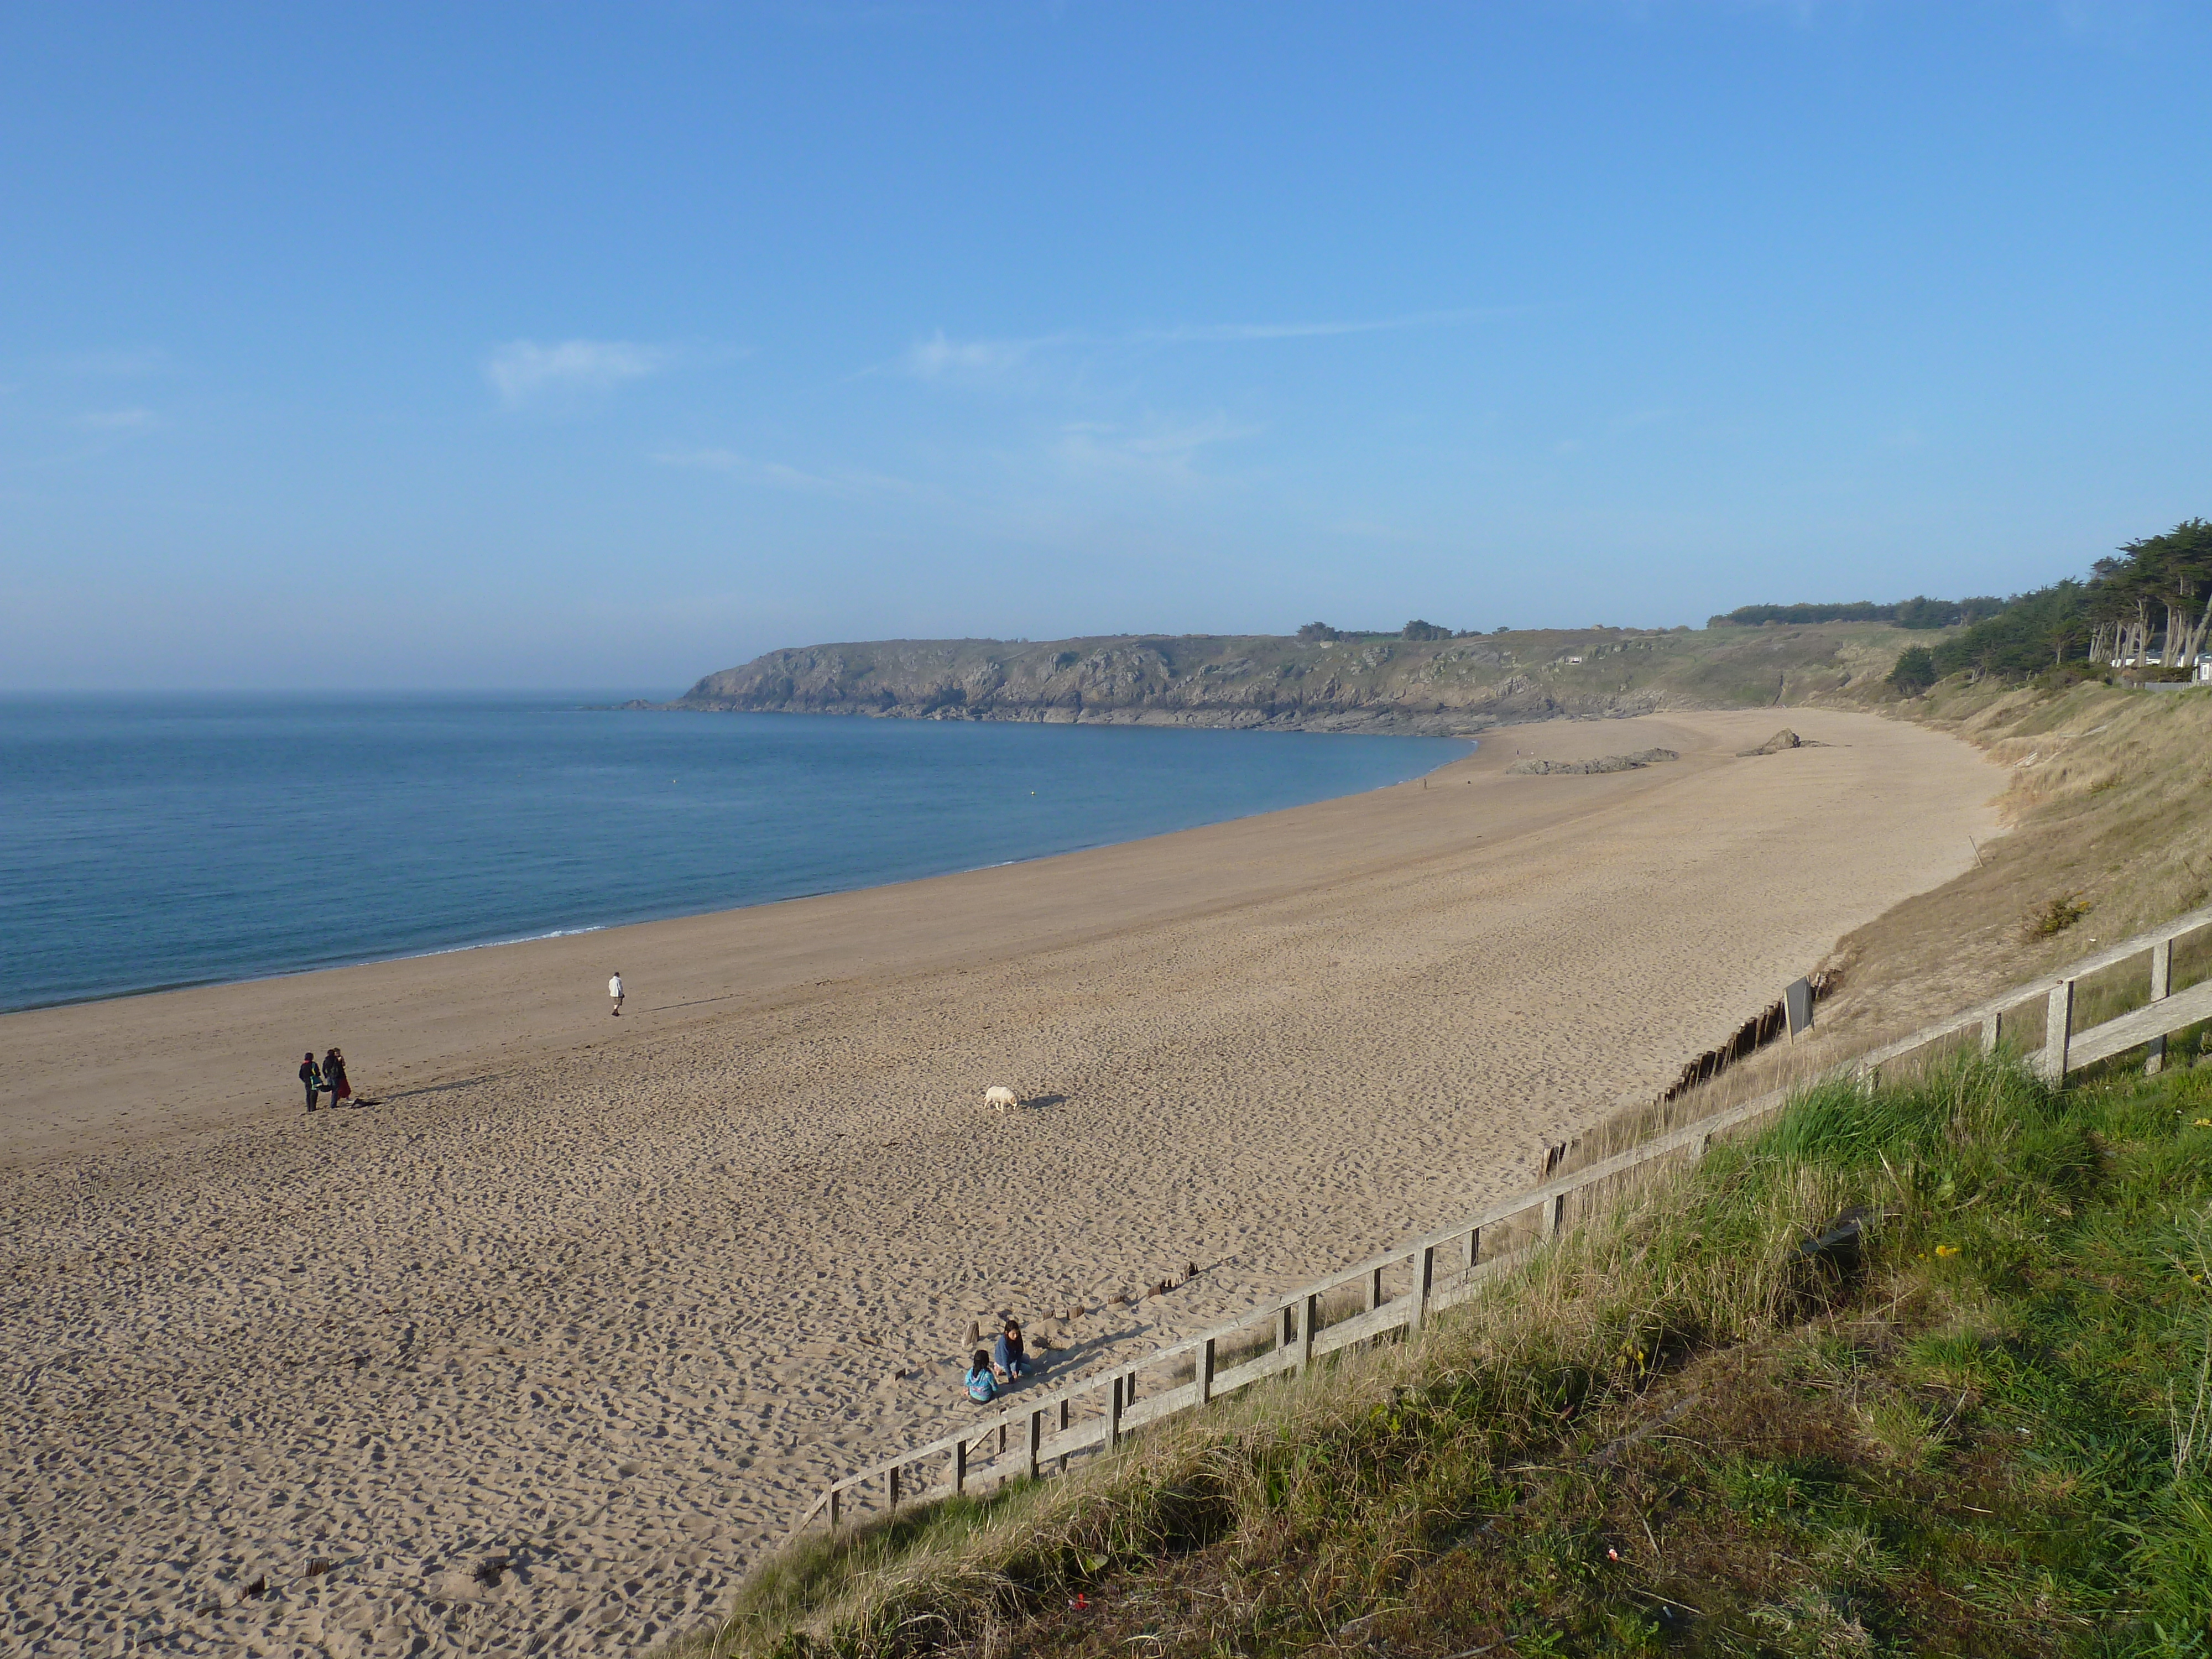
(612, 1309)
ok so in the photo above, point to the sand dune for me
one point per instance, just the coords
(605, 1302)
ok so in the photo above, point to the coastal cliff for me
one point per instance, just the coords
(1370, 683)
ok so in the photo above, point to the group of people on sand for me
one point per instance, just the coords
(990, 1373)
(327, 1077)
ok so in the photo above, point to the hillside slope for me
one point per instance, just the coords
(1694, 1426)
(1377, 683)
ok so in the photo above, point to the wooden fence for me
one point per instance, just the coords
(1402, 1289)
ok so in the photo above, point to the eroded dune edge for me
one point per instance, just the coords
(607, 1303)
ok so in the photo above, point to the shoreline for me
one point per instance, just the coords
(710, 910)
(1375, 721)
(307, 986)
(615, 1298)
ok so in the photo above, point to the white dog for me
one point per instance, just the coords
(1000, 1096)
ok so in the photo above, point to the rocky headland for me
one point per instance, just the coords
(1376, 683)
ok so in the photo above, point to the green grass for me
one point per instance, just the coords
(1988, 1433)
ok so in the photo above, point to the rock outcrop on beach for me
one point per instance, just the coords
(1609, 764)
(1785, 738)
(1363, 684)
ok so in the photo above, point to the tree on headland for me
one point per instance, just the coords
(2158, 578)
(1919, 611)
(1318, 631)
(2149, 603)
(1418, 629)
(2034, 631)
(1915, 672)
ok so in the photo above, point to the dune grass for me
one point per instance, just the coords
(2108, 831)
(1987, 1428)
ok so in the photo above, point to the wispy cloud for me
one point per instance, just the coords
(938, 358)
(524, 370)
(1159, 447)
(120, 364)
(942, 358)
(1231, 333)
(778, 476)
(1371, 530)
(118, 420)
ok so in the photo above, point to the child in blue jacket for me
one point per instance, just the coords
(982, 1386)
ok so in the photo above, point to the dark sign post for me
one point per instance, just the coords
(1797, 1003)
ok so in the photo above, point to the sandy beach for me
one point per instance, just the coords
(606, 1300)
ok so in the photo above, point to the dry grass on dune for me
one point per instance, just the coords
(2110, 808)
(2108, 816)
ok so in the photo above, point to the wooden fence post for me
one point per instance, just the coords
(960, 1465)
(1287, 1325)
(891, 1488)
(1374, 1290)
(1474, 1248)
(1036, 1438)
(835, 1501)
(1114, 1416)
(1992, 1031)
(1205, 1373)
(1063, 1429)
(2057, 1030)
(1425, 1276)
(1310, 1318)
(2161, 981)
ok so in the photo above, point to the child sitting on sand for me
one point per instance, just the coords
(982, 1386)
(1007, 1359)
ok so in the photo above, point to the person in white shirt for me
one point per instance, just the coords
(615, 990)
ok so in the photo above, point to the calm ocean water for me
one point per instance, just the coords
(148, 843)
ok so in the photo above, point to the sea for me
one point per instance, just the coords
(150, 842)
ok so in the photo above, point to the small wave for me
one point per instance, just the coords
(493, 943)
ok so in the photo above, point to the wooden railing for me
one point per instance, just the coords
(1043, 1431)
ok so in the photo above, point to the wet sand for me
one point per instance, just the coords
(608, 1299)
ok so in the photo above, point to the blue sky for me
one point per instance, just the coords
(530, 346)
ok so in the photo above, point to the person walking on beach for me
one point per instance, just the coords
(334, 1078)
(312, 1075)
(615, 990)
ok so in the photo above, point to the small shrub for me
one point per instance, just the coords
(2057, 916)
(2061, 677)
